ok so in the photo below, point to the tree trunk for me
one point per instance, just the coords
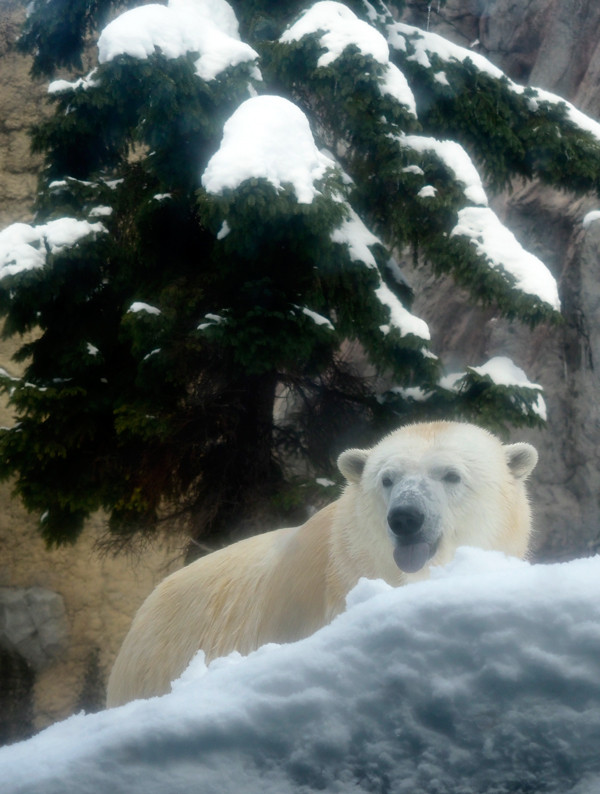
(243, 473)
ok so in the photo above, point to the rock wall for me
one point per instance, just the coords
(551, 44)
(63, 613)
(90, 599)
(21, 102)
(33, 624)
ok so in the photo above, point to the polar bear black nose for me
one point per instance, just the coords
(405, 520)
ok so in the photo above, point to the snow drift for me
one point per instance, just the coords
(485, 678)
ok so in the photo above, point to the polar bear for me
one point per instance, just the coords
(409, 502)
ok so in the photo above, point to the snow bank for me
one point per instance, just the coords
(267, 137)
(25, 247)
(207, 27)
(483, 680)
(494, 241)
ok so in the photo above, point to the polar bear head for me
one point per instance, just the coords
(427, 489)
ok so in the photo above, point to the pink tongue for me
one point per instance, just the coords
(411, 559)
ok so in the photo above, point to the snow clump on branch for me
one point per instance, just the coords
(269, 138)
(208, 27)
(492, 239)
(341, 28)
(24, 247)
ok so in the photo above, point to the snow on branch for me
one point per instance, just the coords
(400, 317)
(207, 27)
(426, 45)
(358, 238)
(591, 217)
(502, 371)
(500, 247)
(317, 318)
(267, 137)
(579, 119)
(456, 159)
(60, 86)
(24, 247)
(140, 306)
(340, 28)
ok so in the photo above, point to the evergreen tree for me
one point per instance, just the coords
(222, 207)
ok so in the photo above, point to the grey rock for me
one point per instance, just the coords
(33, 623)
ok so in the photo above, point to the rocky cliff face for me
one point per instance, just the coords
(551, 44)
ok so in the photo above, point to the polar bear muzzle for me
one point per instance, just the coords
(412, 526)
(412, 549)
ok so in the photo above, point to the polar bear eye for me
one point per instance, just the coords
(387, 481)
(451, 477)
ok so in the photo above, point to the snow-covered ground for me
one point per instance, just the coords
(485, 678)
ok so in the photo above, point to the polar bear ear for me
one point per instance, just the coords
(352, 462)
(521, 459)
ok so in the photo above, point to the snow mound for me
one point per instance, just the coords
(267, 137)
(483, 680)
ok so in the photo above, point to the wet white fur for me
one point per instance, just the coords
(284, 585)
